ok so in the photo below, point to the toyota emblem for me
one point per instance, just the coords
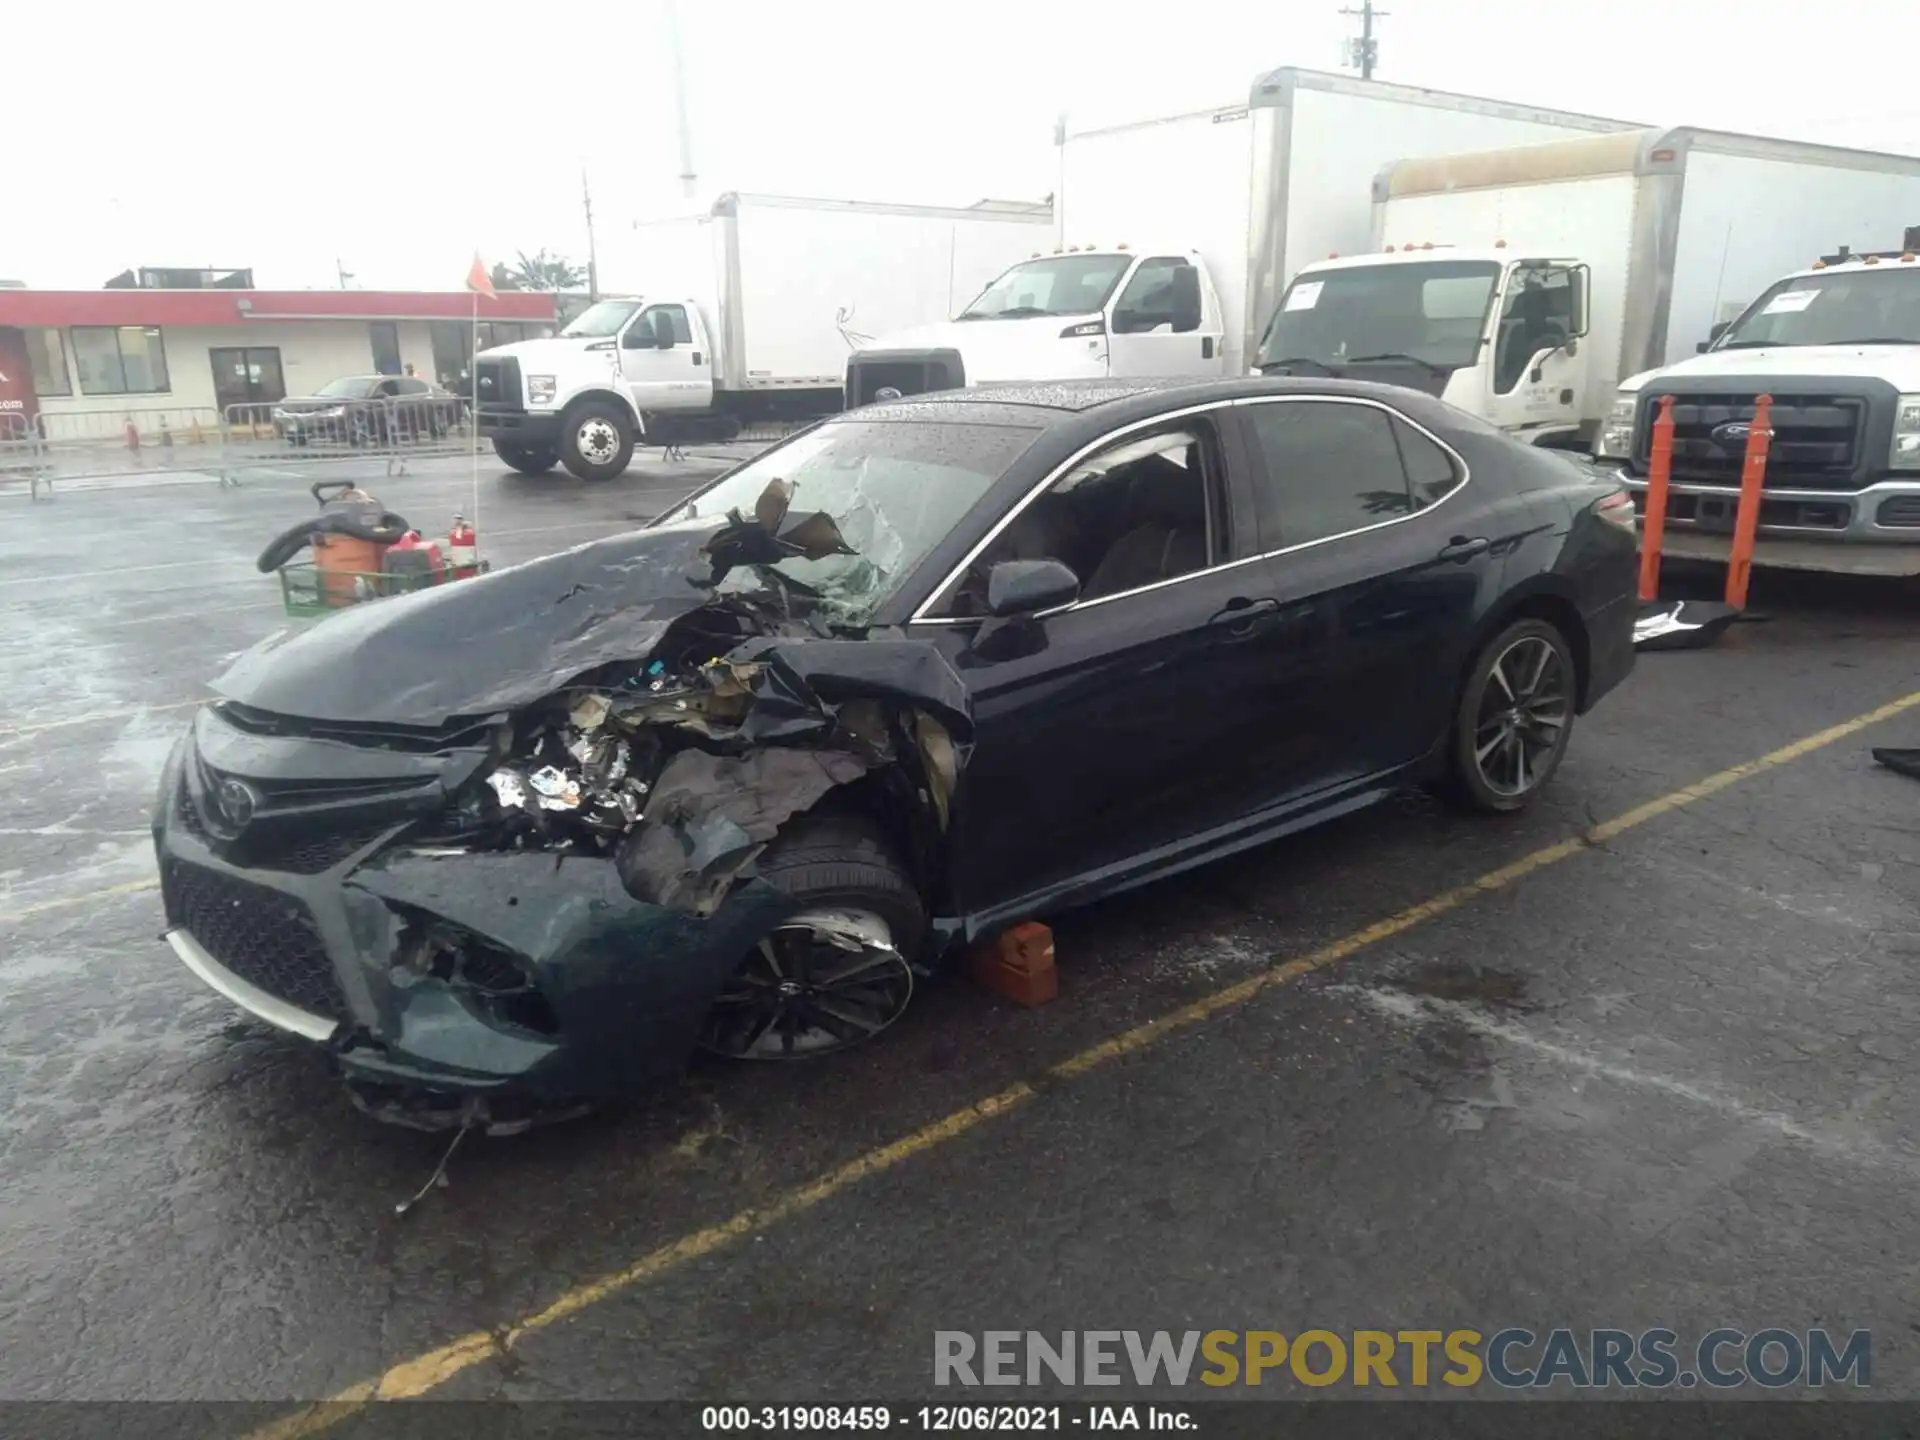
(236, 802)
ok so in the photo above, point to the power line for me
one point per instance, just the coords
(1363, 51)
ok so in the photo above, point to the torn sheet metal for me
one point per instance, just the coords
(1903, 762)
(710, 815)
(1681, 624)
(799, 683)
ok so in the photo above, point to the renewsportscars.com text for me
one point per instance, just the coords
(1512, 1358)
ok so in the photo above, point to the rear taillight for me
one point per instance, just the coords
(1617, 509)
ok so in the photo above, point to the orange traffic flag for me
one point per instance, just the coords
(478, 280)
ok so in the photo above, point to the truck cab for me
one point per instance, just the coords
(1074, 314)
(1837, 347)
(637, 369)
(1498, 333)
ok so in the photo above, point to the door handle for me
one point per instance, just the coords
(696, 358)
(1463, 548)
(1242, 616)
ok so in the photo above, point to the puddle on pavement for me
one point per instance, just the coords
(1468, 985)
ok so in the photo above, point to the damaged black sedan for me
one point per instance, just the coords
(740, 780)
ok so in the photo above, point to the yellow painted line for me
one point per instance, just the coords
(415, 1377)
(94, 717)
(132, 887)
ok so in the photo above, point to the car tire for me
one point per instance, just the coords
(596, 439)
(527, 459)
(838, 863)
(1513, 719)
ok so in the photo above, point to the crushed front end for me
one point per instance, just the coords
(520, 912)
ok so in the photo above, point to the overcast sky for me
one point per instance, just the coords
(395, 138)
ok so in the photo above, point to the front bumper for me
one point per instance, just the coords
(1824, 521)
(575, 990)
(532, 428)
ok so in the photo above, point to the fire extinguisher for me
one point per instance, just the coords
(463, 549)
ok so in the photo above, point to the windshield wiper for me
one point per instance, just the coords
(1427, 365)
(1322, 366)
(1877, 340)
(1750, 344)
(1017, 312)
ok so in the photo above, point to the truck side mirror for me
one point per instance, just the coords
(1577, 300)
(1719, 329)
(1186, 299)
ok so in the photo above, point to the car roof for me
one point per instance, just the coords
(1045, 403)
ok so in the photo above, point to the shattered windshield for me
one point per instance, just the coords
(1059, 285)
(1851, 308)
(894, 488)
(599, 321)
(1436, 313)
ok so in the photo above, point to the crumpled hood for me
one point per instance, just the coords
(1899, 365)
(1030, 349)
(473, 647)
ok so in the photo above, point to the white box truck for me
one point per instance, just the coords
(1176, 236)
(740, 312)
(1523, 284)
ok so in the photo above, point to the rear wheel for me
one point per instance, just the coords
(527, 459)
(1514, 719)
(836, 973)
(596, 440)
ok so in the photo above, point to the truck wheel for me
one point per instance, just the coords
(527, 459)
(596, 440)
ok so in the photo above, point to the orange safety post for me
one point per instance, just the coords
(1653, 525)
(1746, 519)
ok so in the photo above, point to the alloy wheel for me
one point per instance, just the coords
(1521, 720)
(819, 983)
(598, 442)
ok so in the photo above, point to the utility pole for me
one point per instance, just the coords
(687, 177)
(593, 261)
(1364, 52)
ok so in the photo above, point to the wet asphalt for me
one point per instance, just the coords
(1664, 1081)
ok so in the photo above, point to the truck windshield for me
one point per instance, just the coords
(1851, 308)
(601, 320)
(1434, 311)
(1057, 285)
(895, 488)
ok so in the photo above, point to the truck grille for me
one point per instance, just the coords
(906, 372)
(266, 938)
(1816, 439)
(498, 381)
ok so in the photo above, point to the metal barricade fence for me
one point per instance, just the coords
(287, 433)
(126, 441)
(23, 453)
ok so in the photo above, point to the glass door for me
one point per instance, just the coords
(249, 376)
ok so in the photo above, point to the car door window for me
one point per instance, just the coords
(1326, 468)
(411, 387)
(387, 389)
(1537, 315)
(1148, 301)
(1142, 511)
(1431, 473)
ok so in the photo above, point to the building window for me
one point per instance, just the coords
(47, 353)
(120, 360)
(386, 347)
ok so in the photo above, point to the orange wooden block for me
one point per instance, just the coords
(1018, 964)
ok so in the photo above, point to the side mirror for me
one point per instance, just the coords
(1186, 299)
(1026, 587)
